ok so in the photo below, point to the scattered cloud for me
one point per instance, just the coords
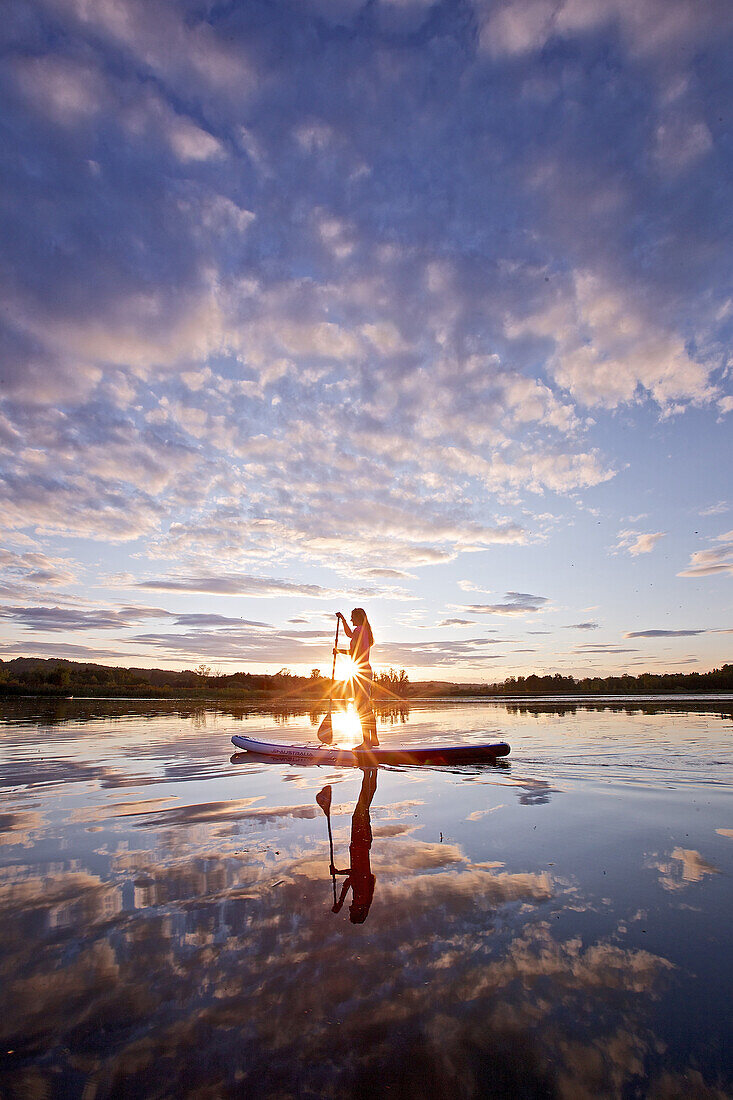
(582, 626)
(72, 619)
(602, 648)
(468, 653)
(607, 352)
(69, 651)
(663, 633)
(635, 542)
(385, 572)
(35, 569)
(295, 336)
(715, 560)
(515, 603)
(229, 584)
(303, 646)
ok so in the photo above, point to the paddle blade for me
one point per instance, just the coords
(323, 798)
(325, 730)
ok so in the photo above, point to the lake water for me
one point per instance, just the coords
(557, 925)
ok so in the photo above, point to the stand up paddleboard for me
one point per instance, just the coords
(359, 758)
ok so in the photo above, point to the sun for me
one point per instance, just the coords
(348, 668)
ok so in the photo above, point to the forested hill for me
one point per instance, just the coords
(53, 676)
(718, 679)
(60, 677)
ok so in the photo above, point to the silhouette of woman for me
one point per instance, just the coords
(359, 873)
(361, 641)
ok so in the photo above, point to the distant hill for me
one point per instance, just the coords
(56, 676)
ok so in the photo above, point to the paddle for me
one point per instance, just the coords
(325, 730)
(323, 798)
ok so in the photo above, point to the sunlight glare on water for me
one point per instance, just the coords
(346, 727)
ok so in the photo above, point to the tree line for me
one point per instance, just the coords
(718, 679)
(53, 676)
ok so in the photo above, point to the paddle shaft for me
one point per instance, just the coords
(330, 845)
(323, 798)
(333, 666)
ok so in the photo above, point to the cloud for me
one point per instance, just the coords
(469, 653)
(386, 527)
(602, 648)
(711, 562)
(229, 584)
(210, 620)
(608, 353)
(32, 569)
(268, 646)
(253, 329)
(64, 650)
(190, 55)
(384, 572)
(582, 626)
(244, 584)
(635, 542)
(181, 300)
(190, 142)
(664, 633)
(60, 90)
(515, 603)
(655, 27)
(70, 619)
(67, 619)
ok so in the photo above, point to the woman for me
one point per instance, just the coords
(361, 641)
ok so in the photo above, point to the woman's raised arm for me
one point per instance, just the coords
(347, 628)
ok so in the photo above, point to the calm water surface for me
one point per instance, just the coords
(558, 925)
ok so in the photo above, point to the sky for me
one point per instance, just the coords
(419, 307)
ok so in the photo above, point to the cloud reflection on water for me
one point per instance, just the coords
(187, 946)
(217, 959)
(229, 946)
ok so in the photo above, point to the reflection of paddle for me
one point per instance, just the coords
(325, 730)
(323, 798)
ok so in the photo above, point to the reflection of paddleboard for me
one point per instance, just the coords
(410, 754)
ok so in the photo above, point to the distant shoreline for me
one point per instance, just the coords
(59, 678)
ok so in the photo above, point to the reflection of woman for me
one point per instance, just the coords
(360, 877)
(361, 641)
